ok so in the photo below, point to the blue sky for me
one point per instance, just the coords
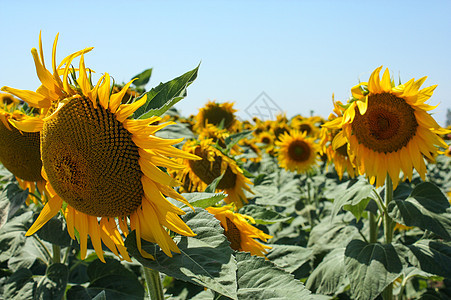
(297, 52)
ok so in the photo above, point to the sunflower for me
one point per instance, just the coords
(217, 114)
(306, 124)
(339, 156)
(241, 235)
(19, 151)
(102, 168)
(198, 174)
(388, 128)
(296, 152)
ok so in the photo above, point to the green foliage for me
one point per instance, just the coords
(205, 259)
(427, 208)
(371, 268)
(142, 78)
(203, 200)
(165, 95)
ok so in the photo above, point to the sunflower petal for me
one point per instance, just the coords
(52, 207)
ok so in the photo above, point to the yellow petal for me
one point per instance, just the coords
(30, 124)
(32, 98)
(125, 110)
(49, 211)
(386, 82)
(94, 232)
(104, 91)
(115, 99)
(154, 173)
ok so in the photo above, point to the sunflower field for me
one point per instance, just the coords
(108, 192)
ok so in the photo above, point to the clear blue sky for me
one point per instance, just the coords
(298, 52)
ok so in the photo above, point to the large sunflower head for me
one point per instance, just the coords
(217, 114)
(103, 165)
(241, 235)
(388, 128)
(19, 151)
(200, 173)
(297, 152)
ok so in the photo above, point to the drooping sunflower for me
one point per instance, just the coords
(297, 152)
(241, 235)
(198, 174)
(19, 151)
(102, 168)
(217, 113)
(388, 128)
(338, 156)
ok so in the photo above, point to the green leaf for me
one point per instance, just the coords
(328, 235)
(55, 232)
(203, 200)
(356, 191)
(358, 209)
(165, 95)
(289, 257)
(211, 188)
(263, 215)
(78, 292)
(53, 284)
(175, 131)
(431, 256)
(261, 279)
(329, 277)
(371, 268)
(427, 207)
(12, 198)
(233, 139)
(113, 278)
(143, 78)
(12, 236)
(20, 285)
(205, 259)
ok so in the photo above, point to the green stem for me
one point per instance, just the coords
(56, 254)
(154, 286)
(373, 228)
(388, 230)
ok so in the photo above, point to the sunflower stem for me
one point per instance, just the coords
(388, 229)
(154, 286)
(56, 254)
(373, 228)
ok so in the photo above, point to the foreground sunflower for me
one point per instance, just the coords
(296, 152)
(198, 174)
(19, 151)
(217, 114)
(388, 128)
(241, 235)
(102, 167)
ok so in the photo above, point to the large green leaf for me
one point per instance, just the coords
(328, 235)
(12, 236)
(165, 95)
(55, 232)
(53, 285)
(260, 279)
(431, 256)
(12, 198)
(20, 286)
(205, 259)
(329, 277)
(143, 78)
(263, 215)
(356, 191)
(233, 139)
(371, 268)
(289, 257)
(203, 200)
(113, 278)
(427, 207)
